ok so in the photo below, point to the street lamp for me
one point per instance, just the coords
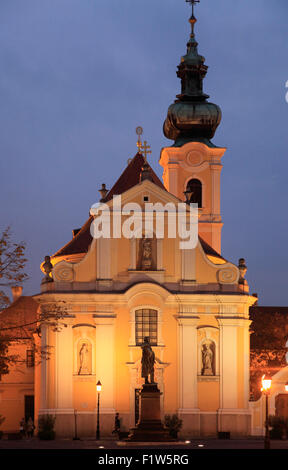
(286, 386)
(75, 438)
(266, 386)
(98, 388)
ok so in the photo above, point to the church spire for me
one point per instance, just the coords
(192, 43)
(191, 117)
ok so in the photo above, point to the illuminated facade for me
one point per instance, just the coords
(193, 304)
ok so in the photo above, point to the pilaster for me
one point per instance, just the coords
(105, 369)
(64, 368)
(187, 327)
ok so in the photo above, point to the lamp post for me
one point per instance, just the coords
(98, 388)
(75, 438)
(266, 386)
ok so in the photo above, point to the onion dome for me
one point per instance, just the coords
(191, 117)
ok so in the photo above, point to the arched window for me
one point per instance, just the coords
(195, 186)
(146, 325)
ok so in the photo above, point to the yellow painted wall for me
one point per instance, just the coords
(208, 396)
(86, 270)
(14, 386)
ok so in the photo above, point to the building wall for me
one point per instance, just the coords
(14, 386)
(205, 404)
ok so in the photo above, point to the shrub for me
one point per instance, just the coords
(278, 425)
(174, 424)
(46, 427)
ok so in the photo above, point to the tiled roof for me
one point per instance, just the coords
(80, 243)
(129, 178)
(18, 321)
(209, 250)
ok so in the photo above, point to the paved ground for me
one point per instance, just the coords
(35, 443)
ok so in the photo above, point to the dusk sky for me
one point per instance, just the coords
(78, 76)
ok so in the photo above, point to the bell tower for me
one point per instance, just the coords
(192, 165)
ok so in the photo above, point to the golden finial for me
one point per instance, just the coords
(192, 20)
(142, 148)
(139, 132)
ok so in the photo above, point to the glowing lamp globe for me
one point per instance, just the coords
(98, 386)
(286, 387)
(266, 383)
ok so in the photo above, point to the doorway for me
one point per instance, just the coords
(29, 407)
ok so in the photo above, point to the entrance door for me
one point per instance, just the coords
(29, 407)
(281, 405)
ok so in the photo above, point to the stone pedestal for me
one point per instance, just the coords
(150, 427)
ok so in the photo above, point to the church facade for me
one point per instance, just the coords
(101, 296)
(193, 304)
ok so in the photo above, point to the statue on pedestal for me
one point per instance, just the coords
(150, 427)
(148, 361)
(47, 267)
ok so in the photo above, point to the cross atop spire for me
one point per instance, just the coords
(146, 149)
(142, 148)
(192, 21)
(193, 3)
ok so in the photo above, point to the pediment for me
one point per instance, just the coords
(145, 189)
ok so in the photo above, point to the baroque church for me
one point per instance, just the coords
(193, 304)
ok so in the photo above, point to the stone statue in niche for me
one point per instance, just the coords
(208, 352)
(148, 361)
(84, 359)
(146, 254)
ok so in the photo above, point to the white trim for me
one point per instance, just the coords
(159, 254)
(187, 362)
(133, 253)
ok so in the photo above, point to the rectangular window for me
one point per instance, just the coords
(30, 358)
(146, 325)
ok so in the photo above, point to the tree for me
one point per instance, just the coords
(12, 263)
(268, 351)
(51, 315)
(4, 359)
